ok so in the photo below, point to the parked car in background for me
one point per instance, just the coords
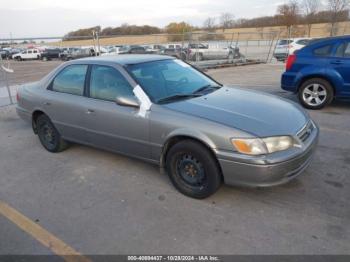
(199, 52)
(319, 72)
(173, 46)
(180, 53)
(162, 110)
(74, 53)
(286, 47)
(154, 49)
(132, 49)
(52, 53)
(5, 54)
(112, 50)
(27, 54)
(14, 51)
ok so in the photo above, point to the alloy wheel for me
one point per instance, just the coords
(314, 94)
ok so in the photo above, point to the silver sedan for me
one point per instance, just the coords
(162, 110)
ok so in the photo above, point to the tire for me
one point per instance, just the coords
(231, 56)
(193, 170)
(45, 59)
(315, 93)
(200, 57)
(48, 135)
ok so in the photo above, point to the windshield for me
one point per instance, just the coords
(170, 78)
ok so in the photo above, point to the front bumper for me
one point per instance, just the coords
(271, 170)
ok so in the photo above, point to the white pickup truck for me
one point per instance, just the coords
(199, 52)
(27, 54)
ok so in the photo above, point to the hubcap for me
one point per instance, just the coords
(48, 135)
(314, 94)
(190, 170)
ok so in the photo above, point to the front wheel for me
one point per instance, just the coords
(315, 93)
(49, 137)
(193, 169)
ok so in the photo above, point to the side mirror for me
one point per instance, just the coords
(130, 101)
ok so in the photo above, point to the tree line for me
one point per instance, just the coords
(294, 12)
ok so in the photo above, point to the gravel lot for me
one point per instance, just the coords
(103, 203)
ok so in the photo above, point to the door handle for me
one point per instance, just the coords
(337, 62)
(90, 111)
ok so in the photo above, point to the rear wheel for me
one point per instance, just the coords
(193, 170)
(49, 137)
(316, 93)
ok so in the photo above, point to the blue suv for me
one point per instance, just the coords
(319, 72)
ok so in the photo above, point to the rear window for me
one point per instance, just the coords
(70, 80)
(323, 51)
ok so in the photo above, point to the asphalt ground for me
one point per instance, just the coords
(96, 202)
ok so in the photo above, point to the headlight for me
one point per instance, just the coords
(260, 146)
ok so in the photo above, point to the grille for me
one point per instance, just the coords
(306, 131)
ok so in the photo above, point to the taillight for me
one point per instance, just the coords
(290, 61)
(17, 96)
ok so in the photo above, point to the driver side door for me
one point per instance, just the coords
(111, 126)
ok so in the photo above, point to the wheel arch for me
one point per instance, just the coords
(171, 141)
(320, 76)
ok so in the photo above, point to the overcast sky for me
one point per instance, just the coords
(33, 18)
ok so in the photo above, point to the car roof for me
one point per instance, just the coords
(127, 59)
(320, 42)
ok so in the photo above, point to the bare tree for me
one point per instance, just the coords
(335, 7)
(226, 20)
(311, 7)
(209, 23)
(288, 14)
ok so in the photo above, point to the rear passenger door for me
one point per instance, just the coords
(109, 125)
(65, 102)
(341, 63)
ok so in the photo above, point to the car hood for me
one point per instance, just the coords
(257, 113)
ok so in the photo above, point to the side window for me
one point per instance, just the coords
(70, 80)
(343, 50)
(35, 51)
(323, 51)
(107, 83)
(347, 51)
(30, 52)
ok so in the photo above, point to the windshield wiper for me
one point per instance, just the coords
(206, 87)
(175, 97)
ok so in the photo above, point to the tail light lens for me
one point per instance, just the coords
(17, 96)
(290, 61)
